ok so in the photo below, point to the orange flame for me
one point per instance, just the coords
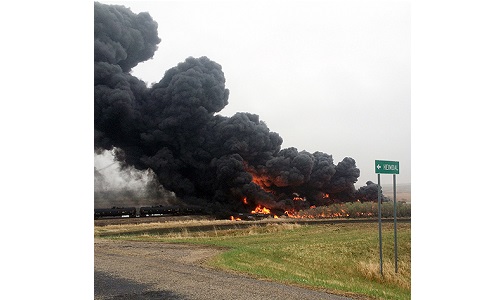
(336, 211)
(261, 210)
(245, 200)
(261, 180)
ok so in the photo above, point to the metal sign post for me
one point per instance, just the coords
(387, 167)
(379, 225)
(395, 226)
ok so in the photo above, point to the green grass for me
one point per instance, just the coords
(342, 258)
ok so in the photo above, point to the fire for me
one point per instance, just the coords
(258, 210)
(259, 179)
(298, 198)
(245, 200)
(261, 210)
(333, 211)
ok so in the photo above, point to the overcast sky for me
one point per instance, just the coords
(329, 76)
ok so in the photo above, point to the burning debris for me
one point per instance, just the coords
(226, 164)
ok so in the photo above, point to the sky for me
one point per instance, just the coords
(329, 76)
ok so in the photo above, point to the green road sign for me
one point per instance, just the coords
(386, 167)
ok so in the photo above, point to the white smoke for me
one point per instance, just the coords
(115, 179)
(114, 186)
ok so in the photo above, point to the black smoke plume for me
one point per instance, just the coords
(370, 193)
(172, 129)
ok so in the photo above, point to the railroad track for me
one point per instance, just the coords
(226, 224)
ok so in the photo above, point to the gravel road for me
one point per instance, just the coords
(140, 270)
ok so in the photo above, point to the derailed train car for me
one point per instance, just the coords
(160, 210)
(148, 211)
(115, 212)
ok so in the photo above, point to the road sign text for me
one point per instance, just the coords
(386, 167)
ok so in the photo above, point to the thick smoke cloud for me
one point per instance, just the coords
(115, 186)
(370, 193)
(172, 129)
(123, 38)
(130, 188)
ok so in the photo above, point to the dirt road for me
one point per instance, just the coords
(139, 270)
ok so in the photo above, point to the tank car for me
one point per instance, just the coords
(148, 211)
(114, 212)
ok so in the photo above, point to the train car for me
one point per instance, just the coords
(191, 210)
(115, 212)
(158, 210)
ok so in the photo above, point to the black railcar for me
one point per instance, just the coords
(115, 212)
(160, 210)
(148, 211)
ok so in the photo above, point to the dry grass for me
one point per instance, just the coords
(193, 228)
(147, 227)
(371, 270)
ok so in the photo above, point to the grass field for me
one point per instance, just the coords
(343, 258)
